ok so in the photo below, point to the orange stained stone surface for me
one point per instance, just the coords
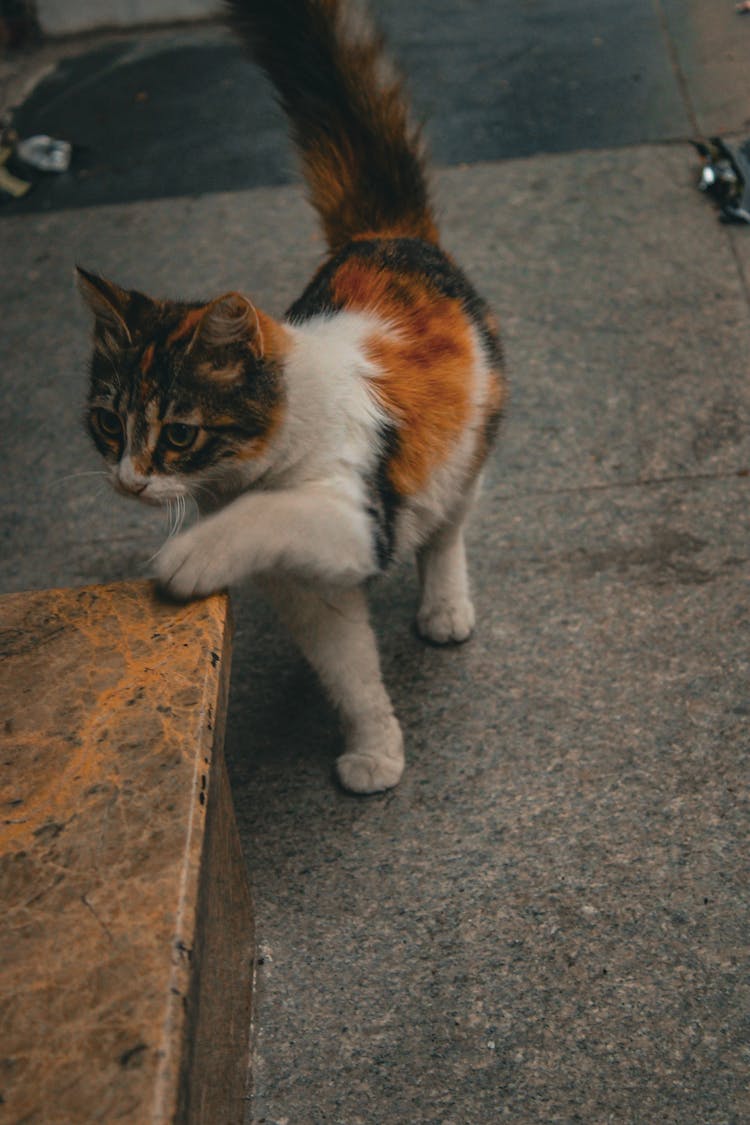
(111, 709)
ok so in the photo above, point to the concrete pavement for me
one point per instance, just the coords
(547, 921)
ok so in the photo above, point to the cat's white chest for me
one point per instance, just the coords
(334, 423)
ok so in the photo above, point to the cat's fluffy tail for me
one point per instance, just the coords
(361, 156)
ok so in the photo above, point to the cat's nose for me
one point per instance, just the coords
(130, 478)
(129, 487)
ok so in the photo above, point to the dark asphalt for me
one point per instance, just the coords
(182, 113)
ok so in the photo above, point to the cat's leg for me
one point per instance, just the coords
(333, 630)
(316, 533)
(446, 613)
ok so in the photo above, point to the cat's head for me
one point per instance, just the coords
(185, 398)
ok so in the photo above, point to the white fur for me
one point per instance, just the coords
(331, 418)
(303, 530)
(331, 627)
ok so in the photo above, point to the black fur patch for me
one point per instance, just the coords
(384, 500)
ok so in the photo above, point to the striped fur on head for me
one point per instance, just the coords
(182, 394)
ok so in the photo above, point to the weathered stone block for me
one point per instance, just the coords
(125, 923)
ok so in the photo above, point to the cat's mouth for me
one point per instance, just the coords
(147, 493)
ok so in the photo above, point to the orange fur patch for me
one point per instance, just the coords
(494, 403)
(232, 373)
(424, 364)
(497, 393)
(276, 340)
(335, 178)
(142, 463)
(185, 327)
(147, 359)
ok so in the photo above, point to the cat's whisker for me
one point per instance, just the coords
(74, 476)
(176, 511)
(202, 488)
(181, 513)
(155, 555)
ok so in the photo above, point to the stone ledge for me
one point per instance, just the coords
(124, 912)
(86, 15)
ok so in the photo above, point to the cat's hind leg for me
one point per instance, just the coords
(446, 613)
(333, 630)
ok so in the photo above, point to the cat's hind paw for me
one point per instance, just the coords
(446, 622)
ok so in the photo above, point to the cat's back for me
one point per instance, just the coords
(432, 343)
(390, 276)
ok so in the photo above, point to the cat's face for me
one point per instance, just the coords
(184, 398)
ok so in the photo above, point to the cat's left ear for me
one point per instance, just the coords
(109, 304)
(230, 319)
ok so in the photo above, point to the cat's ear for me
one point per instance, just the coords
(109, 304)
(230, 319)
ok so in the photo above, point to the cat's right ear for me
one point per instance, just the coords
(109, 304)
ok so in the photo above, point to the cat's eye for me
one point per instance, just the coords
(178, 435)
(109, 423)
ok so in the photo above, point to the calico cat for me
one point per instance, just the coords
(325, 445)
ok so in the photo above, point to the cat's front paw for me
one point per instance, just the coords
(368, 773)
(446, 622)
(192, 565)
(372, 764)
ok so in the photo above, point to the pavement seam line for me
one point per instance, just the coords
(613, 486)
(676, 65)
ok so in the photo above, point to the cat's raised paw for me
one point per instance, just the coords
(191, 565)
(445, 622)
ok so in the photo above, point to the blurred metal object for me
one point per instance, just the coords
(44, 153)
(726, 177)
